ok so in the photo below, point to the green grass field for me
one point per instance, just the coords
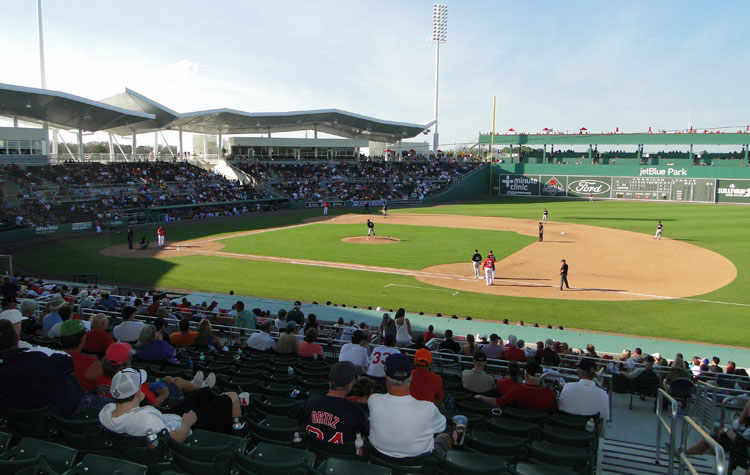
(719, 228)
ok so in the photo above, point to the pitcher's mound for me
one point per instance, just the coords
(371, 239)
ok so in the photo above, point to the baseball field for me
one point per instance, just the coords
(691, 285)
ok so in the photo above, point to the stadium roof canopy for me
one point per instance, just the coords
(140, 114)
(695, 138)
(64, 110)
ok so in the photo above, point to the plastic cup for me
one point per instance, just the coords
(244, 399)
(459, 429)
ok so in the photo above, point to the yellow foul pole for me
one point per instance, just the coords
(492, 140)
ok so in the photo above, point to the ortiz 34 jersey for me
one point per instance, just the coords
(334, 420)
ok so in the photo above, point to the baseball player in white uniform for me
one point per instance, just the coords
(370, 228)
(658, 231)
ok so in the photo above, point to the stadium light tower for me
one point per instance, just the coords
(439, 35)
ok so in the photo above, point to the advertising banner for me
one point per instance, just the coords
(553, 185)
(598, 186)
(733, 191)
(519, 185)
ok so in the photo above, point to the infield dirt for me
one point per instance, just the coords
(605, 264)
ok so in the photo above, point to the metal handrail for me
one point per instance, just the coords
(670, 425)
(721, 461)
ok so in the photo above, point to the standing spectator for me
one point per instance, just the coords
(531, 395)
(403, 328)
(475, 379)
(583, 397)
(244, 318)
(97, 339)
(262, 341)
(356, 351)
(426, 385)
(288, 341)
(308, 348)
(129, 329)
(380, 354)
(449, 343)
(387, 325)
(332, 418)
(295, 314)
(184, 337)
(494, 349)
(401, 426)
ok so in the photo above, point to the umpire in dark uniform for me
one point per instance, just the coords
(476, 259)
(564, 275)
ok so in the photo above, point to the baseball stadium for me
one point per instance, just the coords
(205, 289)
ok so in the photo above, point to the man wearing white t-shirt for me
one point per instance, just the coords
(356, 351)
(130, 328)
(262, 341)
(381, 353)
(584, 398)
(401, 426)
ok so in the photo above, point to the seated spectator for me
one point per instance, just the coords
(401, 426)
(731, 367)
(494, 349)
(308, 348)
(362, 389)
(725, 437)
(31, 324)
(475, 379)
(635, 359)
(66, 313)
(280, 322)
(107, 302)
(152, 348)
(449, 343)
(129, 329)
(262, 341)
(648, 367)
(333, 418)
(418, 343)
(34, 379)
(547, 356)
(205, 339)
(676, 371)
(311, 322)
(185, 337)
(356, 351)
(714, 367)
(380, 354)
(200, 410)
(53, 317)
(591, 351)
(97, 339)
(583, 397)
(513, 352)
(161, 329)
(470, 347)
(426, 385)
(505, 385)
(86, 368)
(288, 341)
(530, 395)
(429, 334)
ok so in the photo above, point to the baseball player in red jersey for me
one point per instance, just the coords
(161, 233)
(325, 208)
(489, 269)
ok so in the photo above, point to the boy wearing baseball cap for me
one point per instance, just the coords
(201, 410)
(426, 385)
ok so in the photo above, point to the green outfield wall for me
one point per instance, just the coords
(473, 184)
(652, 183)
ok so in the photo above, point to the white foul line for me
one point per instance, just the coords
(423, 288)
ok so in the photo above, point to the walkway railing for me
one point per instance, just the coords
(666, 422)
(689, 426)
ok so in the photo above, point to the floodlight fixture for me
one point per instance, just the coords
(439, 35)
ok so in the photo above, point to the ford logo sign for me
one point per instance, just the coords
(595, 187)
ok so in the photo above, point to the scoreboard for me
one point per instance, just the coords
(664, 188)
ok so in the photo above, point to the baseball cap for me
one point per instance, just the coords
(297, 303)
(423, 355)
(342, 373)
(13, 316)
(587, 364)
(657, 355)
(118, 353)
(649, 359)
(398, 367)
(533, 368)
(479, 355)
(127, 382)
(71, 327)
(291, 325)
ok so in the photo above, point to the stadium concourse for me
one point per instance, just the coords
(513, 407)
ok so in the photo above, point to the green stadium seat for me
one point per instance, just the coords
(569, 421)
(403, 466)
(467, 463)
(277, 389)
(312, 382)
(274, 429)
(572, 437)
(324, 449)
(236, 383)
(496, 444)
(97, 464)
(206, 452)
(270, 459)
(276, 406)
(5, 441)
(511, 427)
(339, 466)
(280, 378)
(32, 452)
(134, 449)
(564, 456)
(524, 415)
(35, 423)
(473, 406)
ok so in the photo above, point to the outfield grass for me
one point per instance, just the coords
(719, 228)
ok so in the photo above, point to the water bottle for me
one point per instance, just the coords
(203, 357)
(315, 356)
(359, 445)
(449, 401)
(238, 427)
(290, 370)
(297, 439)
(190, 363)
(294, 394)
(152, 440)
(590, 425)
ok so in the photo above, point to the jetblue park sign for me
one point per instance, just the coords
(653, 171)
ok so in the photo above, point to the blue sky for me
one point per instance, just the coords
(551, 64)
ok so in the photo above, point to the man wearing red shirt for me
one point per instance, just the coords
(97, 339)
(426, 385)
(513, 352)
(429, 335)
(530, 396)
(86, 368)
(489, 269)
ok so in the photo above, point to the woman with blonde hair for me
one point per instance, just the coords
(206, 338)
(469, 348)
